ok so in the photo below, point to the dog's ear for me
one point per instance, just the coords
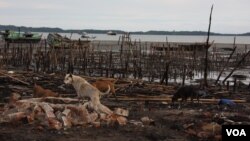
(70, 75)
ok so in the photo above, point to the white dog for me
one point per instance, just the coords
(84, 89)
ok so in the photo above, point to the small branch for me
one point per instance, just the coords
(14, 78)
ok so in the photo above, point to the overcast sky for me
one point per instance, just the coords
(229, 16)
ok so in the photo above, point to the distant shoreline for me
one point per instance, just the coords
(95, 31)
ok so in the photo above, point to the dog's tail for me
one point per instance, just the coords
(105, 93)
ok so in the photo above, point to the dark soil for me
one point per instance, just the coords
(168, 125)
(168, 122)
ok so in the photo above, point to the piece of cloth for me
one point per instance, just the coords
(226, 102)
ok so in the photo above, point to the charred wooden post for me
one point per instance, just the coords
(237, 65)
(224, 66)
(166, 73)
(119, 40)
(228, 85)
(85, 63)
(100, 64)
(184, 75)
(140, 61)
(207, 46)
(135, 68)
(45, 45)
(235, 84)
(126, 69)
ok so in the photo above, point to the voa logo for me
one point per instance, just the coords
(236, 132)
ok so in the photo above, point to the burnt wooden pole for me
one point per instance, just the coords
(237, 65)
(166, 74)
(207, 46)
(224, 66)
(184, 75)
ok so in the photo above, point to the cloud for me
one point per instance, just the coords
(32, 5)
(129, 14)
(43, 6)
(4, 4)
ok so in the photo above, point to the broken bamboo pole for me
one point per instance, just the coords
(169, 99)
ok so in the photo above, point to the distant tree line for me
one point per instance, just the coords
(152, 32)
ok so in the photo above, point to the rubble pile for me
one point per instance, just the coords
(211, 124)
(204, 131)
(58, 113)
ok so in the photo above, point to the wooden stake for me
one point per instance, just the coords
(207, 46)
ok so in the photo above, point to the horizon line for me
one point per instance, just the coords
(145, 31)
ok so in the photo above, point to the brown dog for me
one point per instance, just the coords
(103, 85)
(41, 92)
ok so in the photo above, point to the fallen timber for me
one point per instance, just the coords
(14, 78)
(58, 113)
(169, 99)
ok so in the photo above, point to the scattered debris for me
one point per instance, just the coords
(14, 97)
(136, 123)
(121, 112)
(213, 128)
(67, 116)
(227, 102)
(58, 113)
(121, 120)
(146, 120)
